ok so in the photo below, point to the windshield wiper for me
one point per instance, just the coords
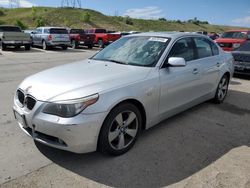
(115, 61)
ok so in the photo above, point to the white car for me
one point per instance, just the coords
(133, 84)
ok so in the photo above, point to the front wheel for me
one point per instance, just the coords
(74, 44)
(120, 129)
(222, 89)
(100, 43)
(27, 47)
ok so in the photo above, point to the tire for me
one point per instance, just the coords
(27, 47)
(17, 47)
(90, 46)
(3, 47)
(44, 45)
(100, 43)
(74, 44)
(117, 137)
(64, 47)
(222, 90)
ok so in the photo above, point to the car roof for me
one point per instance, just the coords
(52, 27)
(238, 30)
(168, 34)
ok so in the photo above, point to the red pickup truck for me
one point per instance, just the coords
(80, 37)
(231, 40)
(102, 37)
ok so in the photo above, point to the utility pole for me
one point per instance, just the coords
(71, 3)
(14, 3)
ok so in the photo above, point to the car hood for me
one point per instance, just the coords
(80, 79)
(229, 40)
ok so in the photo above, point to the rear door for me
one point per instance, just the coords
(207, 55)
(179, 85)
(59, 35)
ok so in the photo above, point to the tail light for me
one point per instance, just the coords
(78, 37)
(50, 37)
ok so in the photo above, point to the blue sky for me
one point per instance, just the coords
(225, 12)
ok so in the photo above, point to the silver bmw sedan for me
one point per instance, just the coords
(105, 101)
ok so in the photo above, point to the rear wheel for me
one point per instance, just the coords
(3, 46)
(45, 46)
(64, 47)
(90, 46)
(222, 89)
(120, 129)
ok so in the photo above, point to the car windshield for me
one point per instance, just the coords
(138, 51)
(244, 47)
(234, 35)
(77, 31)
(58, 31)
(10, 29)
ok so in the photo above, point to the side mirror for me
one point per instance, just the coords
(177, 62)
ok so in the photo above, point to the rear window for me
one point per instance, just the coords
(58, 31)
(76, 31)
(234, 35)
(244, 47)
(10, 29)
(100, 31)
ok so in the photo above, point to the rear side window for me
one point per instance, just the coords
(183, 48)
(203, 48)
(10, 29)
(58, 31)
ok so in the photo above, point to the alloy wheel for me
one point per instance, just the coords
(123, 130)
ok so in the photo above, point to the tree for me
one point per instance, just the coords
(86, 17)
(34, 12)
(128, 20)
(40, 22)
(21, 25)
(162, 19)
(1, 13)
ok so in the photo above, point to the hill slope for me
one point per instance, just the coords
(68, 17)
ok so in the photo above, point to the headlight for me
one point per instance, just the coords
(236, 45)
(69, 108)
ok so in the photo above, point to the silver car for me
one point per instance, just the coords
(48, 37)
(104, 102)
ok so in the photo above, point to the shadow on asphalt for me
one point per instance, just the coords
(171, 151)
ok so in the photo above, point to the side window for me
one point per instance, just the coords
(183, 48)
(215, 49)
(203, 47)
(46, 31)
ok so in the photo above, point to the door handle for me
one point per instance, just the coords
(218, 64)
(195, 71)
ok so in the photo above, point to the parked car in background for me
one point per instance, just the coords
(213, 35)
(231, 40)
(102, 37)
(79, 37)
(133, 84)
(242, 59)
(13, 36)
(125, 33)
(48, 37)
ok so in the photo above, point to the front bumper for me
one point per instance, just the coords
(78, 134)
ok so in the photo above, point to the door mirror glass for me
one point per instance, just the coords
(177, 62)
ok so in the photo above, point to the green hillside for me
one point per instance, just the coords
(76, 18)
